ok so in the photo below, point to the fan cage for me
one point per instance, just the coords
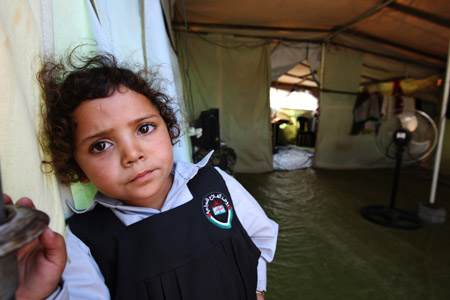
(423, 141)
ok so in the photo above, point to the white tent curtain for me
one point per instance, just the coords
(159, 52)
(117, 28)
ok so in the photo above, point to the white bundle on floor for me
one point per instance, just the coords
(292, 158)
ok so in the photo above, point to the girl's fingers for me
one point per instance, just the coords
(26, 202)
(7, 199)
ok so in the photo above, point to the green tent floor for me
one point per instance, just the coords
(327, 250)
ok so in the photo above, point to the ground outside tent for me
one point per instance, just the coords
(327, 250)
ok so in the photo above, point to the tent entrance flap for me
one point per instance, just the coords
(232, 74)
(335, 147)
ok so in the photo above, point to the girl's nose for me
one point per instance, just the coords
(131, 154)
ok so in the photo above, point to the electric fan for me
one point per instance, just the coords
(408, 137)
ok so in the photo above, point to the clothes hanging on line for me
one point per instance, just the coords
(366, 112)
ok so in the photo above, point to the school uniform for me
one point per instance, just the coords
(209, 227)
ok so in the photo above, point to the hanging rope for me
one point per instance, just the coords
(190, 99)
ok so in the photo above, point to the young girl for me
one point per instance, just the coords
(157, 229)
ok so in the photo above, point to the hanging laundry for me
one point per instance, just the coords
(397, 92)
(391, 105)
(366, 113)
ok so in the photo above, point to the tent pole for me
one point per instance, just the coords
(2, 203)
(322, 68)
(437, 160)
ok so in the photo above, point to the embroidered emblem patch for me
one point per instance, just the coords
(217, 209)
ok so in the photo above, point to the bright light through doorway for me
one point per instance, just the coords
(292, 100)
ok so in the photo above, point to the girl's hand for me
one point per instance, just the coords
(40, 262)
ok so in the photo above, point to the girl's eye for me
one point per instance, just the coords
(146, 128)
(99, 147)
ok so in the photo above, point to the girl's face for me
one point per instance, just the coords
(123, 146)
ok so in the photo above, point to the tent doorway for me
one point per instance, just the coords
(294, 103)
(294, 116)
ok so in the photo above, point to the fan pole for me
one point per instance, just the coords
(391, 216)
(398, 166)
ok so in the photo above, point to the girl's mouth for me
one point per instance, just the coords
(142, 176)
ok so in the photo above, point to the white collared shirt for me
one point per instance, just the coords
(82, 278)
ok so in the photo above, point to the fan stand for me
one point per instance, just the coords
(391, 216)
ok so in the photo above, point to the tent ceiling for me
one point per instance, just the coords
(402, 38)
(298, 76)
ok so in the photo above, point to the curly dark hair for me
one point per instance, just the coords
(67, 83)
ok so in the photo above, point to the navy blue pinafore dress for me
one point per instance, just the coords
(196, 251)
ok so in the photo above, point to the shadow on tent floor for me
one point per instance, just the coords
(326, 250)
